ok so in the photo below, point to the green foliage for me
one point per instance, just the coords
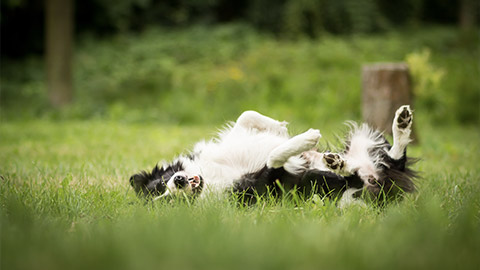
(427, 78)
(427, 81)
(316, 17)
(209, 75)
(65, 203)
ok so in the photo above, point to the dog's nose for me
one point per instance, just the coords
(180, 181)
(371, 179)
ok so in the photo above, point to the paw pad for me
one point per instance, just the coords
(334, 161)
(404, 118)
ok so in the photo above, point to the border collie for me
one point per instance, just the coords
(255, 155)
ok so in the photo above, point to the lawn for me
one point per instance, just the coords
(65, 200)
(66, 204)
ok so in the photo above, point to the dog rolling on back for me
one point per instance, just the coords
(256, 155)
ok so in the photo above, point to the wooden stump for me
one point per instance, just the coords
(386, 87)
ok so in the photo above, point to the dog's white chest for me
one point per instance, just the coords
(235, 154)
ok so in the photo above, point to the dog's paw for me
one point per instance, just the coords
(403, 118)
(306, 140)
(280, 128)
(334, 162)
(311, 138)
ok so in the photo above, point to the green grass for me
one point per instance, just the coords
(65, 201)
(66, 204)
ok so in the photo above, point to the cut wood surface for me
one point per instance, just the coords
(386, 87)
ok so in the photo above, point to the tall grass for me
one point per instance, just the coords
(65, 203)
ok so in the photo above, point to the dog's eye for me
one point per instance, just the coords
(159, 185)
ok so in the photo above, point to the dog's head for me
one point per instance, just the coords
(395, 178)
(389, 179)
(384, 178)
(166, 181)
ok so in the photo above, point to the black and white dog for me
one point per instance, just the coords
(256, 155)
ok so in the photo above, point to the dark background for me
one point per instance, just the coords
(22, 21)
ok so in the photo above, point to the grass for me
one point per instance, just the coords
(65, 203)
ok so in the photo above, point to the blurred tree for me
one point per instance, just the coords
(59, 42)
(468, 14)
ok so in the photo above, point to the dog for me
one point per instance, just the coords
(255, 155)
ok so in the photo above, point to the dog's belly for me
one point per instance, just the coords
(236, 154)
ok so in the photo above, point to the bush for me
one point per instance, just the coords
(209, 75)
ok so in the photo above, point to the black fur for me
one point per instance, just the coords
(395, 178)
(275, 181)
(154, 183)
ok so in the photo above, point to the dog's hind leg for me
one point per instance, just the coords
(401, 128)
(294, 146)
(327, 162)
(255, 120)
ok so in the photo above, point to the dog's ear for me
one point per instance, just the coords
(150, 184)
(140, 181)
(392, 185)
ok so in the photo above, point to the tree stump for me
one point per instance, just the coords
(386, 87)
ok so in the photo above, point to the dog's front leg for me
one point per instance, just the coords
(255, 120)
(294, 146)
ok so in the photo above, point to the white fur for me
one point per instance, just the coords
(293, 147)
(358, 158)
(246, 147)
(255, 141)
(401, 137)
(347, 198)
(316, 160)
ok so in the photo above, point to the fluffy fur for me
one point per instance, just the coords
(256, 155)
